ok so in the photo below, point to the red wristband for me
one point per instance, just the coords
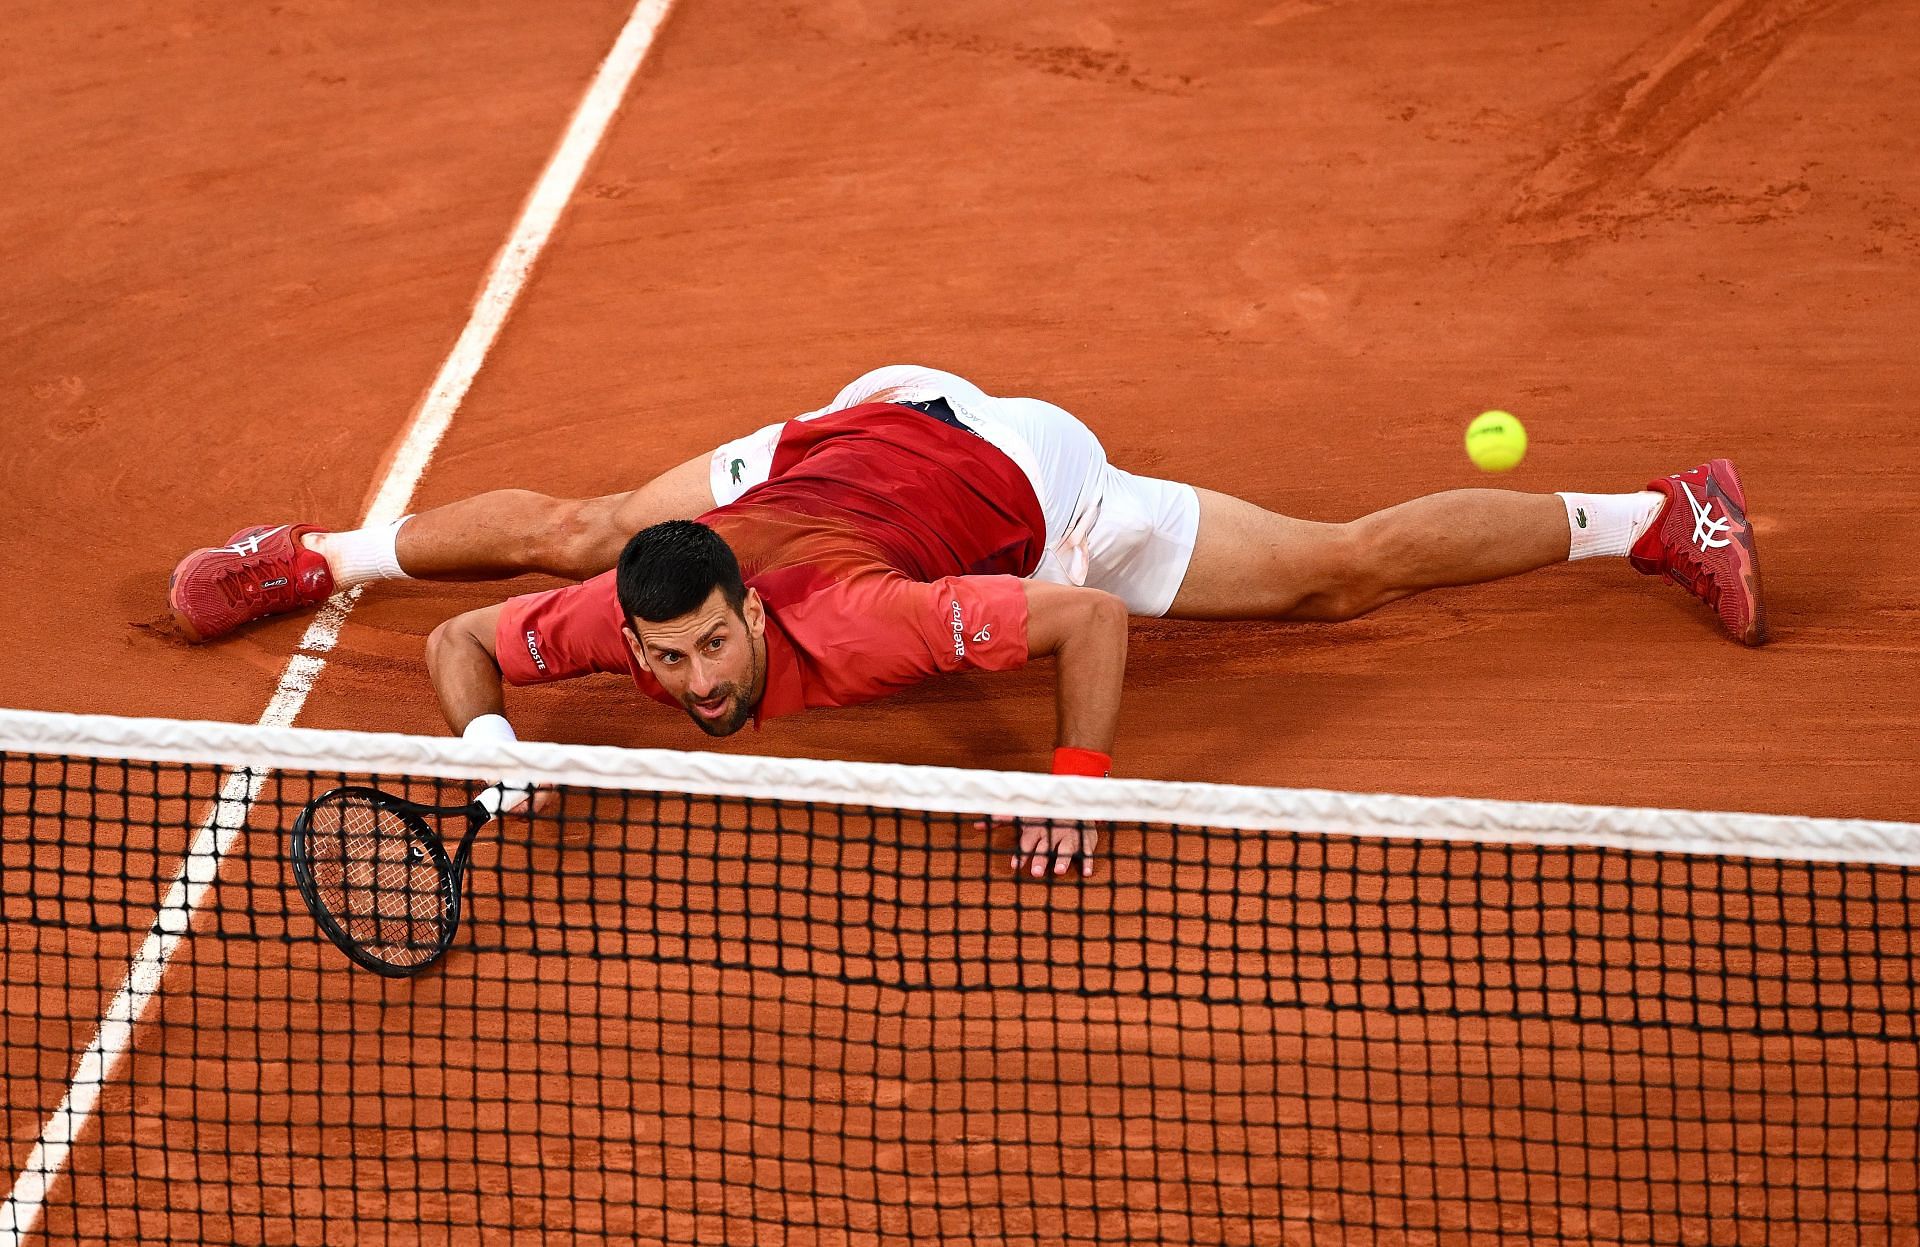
(1070, 761)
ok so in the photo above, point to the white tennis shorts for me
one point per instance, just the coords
(1108, 528)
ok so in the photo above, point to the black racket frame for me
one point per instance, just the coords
(451, 871)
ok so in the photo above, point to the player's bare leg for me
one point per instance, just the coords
(1251, 563)
(512, 532)
(267, 570)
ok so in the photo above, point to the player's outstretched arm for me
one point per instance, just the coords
(1085, 632)
(466, 676)
(465, 668)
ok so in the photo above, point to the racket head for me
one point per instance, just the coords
(376, 878)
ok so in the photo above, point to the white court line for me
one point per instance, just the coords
(20, 1215)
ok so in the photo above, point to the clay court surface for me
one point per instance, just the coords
(1284, 250)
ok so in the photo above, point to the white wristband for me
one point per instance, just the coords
(508, 794)
(490, 727)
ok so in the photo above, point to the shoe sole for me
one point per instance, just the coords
(1755, 633)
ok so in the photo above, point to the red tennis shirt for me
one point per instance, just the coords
(887, 547)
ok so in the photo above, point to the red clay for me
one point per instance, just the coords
(1281, 249)
(1285, 253)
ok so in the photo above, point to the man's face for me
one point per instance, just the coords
(712, 659)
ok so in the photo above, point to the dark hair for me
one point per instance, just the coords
(671, 568)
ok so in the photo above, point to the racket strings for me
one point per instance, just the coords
(376, 879)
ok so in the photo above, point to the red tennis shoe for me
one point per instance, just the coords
(263, 570)
(1703, 542)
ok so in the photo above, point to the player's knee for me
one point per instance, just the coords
(1350, 576)
(438, 639)
(578, 535)
(1107, 610)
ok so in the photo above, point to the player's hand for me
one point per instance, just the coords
(521, 796)
(1045, 848)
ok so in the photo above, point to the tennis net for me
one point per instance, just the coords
(717, 999)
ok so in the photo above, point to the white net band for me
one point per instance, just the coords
(951, 791)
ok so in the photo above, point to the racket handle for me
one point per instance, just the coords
(504, 796)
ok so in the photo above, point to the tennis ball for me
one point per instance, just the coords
(1496, 442)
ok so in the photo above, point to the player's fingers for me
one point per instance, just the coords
(504, 797)
(1066, 847)
(1074, 844)
(1051, 848)
(1055, 849)
(1043, 852)
(519, 794)
(1034, 843)
(1035, 848)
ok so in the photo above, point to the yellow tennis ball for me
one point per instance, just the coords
(1496, 442)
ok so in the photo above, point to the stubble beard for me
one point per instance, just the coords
(733, 722)
(743, 703)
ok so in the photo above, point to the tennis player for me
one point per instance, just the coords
(916, 526)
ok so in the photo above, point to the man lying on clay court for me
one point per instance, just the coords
(917, 526)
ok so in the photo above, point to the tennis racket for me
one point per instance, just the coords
(376, 877)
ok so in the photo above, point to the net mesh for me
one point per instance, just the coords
(682, 1018)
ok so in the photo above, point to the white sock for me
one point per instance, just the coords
(1604, 524)
(361, 555)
